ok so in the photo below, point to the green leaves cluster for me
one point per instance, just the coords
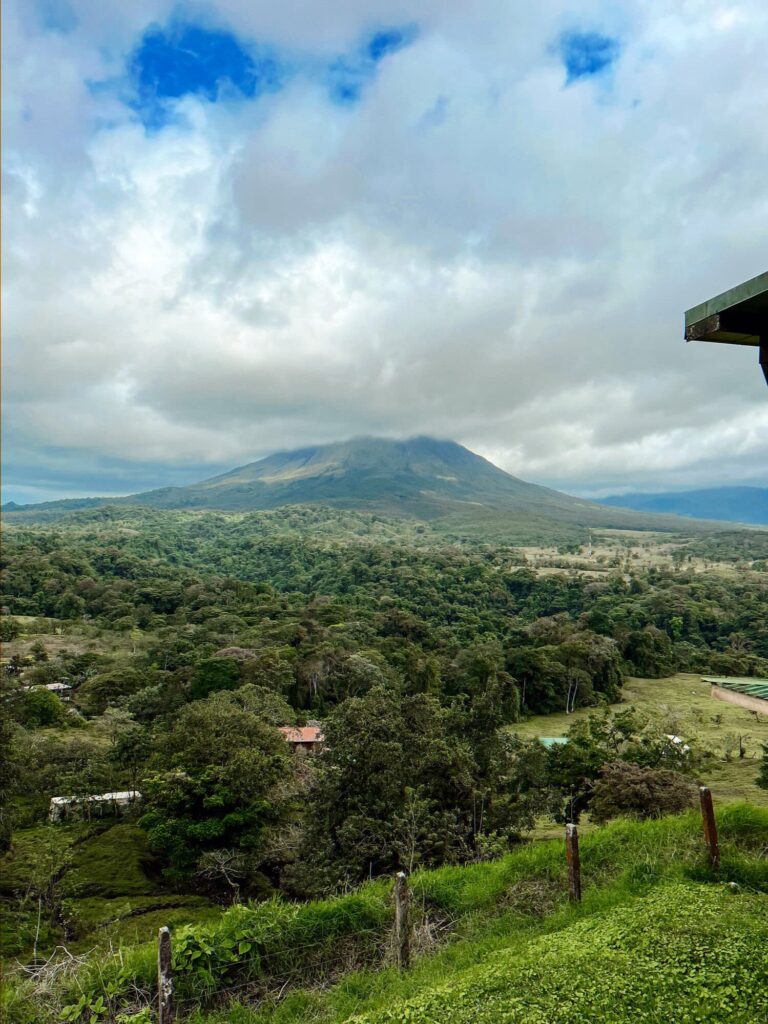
(217, 785)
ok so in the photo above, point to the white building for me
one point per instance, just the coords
(101, 803)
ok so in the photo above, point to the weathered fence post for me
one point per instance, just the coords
(402, 921)
(164, 978)
(710, 827)
(574, 863)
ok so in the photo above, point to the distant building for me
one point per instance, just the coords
(746, 692)
(304, 737)
(63, 807)
(63, 690)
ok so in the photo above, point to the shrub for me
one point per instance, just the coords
(762, 778)
(9, 629)
(633, 790)
(39, 706)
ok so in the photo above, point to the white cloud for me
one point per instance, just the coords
(473, 250)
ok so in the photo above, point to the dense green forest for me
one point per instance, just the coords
(187, 638)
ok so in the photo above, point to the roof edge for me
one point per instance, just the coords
(728, 299)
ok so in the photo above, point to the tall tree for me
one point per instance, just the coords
(219, 784)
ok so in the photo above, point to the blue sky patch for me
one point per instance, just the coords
(389, 40)
(348, 75)
(185, 59)
(586, 54)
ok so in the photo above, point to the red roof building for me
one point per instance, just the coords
(305, 737)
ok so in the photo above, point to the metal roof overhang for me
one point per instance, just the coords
(736, 317)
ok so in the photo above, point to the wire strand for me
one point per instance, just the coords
(258, 957)
(297, 972)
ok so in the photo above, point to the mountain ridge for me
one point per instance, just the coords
(739, 504)
(421, 477)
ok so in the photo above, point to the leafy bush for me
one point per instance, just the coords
(9, 629)
(39, 707)
(639, 792)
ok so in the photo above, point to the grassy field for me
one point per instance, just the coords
(683, 953)
(630, 551)
(60, 636)
(682, 706)
(108, 889)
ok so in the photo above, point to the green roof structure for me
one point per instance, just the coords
(750, 686)
(736, 317)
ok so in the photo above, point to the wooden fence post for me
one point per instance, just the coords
(574, 863)
(402, 921)
(164, 978)
(710, 827)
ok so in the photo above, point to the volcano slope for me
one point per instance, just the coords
(425, 479)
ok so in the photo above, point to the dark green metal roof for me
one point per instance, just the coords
(749, 299)
(745, 684)
(736, 317)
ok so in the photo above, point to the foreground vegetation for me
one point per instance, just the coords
(502, 933)
(681, 954)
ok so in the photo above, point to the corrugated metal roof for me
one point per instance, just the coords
(750, 296)
(754, 687)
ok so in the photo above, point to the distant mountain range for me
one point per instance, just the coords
(730, 504)
(421, 477)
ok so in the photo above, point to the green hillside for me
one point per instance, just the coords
(682, 953)
(422, 477)
(658, 938)
(187, 637)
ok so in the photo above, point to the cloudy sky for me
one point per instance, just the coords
(241, 226)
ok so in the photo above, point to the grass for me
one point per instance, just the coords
(127, 920)
(16, 864)
(63, 636)
(116, 862)
(513, 910)
(108, 887)
(477, 910)
(683, 953)
(681, 705)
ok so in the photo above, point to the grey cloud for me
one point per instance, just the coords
(512, 274)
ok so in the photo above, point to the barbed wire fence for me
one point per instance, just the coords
(266, 974)
(365, 948)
